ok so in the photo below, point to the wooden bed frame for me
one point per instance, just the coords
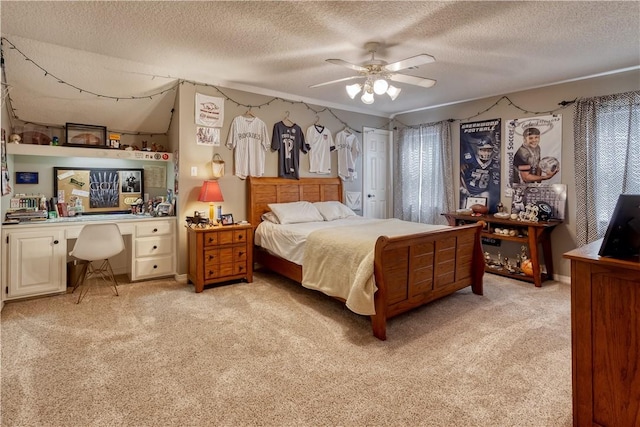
(409, 270)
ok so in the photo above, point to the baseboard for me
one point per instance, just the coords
(562, 279)
(181, 278)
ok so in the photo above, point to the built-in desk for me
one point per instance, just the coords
(35, 255)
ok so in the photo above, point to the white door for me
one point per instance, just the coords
(36, 263)
(376, 172)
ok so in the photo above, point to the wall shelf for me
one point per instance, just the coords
(101, 153)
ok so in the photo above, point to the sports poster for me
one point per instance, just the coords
(533, 150)
(480, 148)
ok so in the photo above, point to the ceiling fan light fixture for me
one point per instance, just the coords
(380, 86)
(367, 97)
(393, 92)
(353, 90)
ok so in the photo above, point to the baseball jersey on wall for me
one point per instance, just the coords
(288, 141)
(250, 138)
(321, 145)
(348, 148)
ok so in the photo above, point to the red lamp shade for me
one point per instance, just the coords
(210, 192)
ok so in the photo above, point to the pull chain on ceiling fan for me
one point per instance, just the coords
(377, 74)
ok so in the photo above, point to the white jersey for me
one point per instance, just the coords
(348, 148)
(320, 143)
(249, 137)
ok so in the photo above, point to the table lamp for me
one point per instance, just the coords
(210, 192)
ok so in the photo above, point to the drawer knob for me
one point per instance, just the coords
(155, 230)
(241, 268)
(155, 266)
(55, 242)
(211, 273)
(240, 237)
(211, 257)
(155, 247)
(240, 253)
(211, 239)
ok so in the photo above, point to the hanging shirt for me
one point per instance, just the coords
(348, 148)
(250, 138)
(289, 142)
(321, 145)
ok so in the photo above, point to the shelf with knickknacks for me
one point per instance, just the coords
(522, 228)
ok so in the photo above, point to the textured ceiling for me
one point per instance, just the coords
(125, 49)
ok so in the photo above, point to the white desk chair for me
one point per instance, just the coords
(97, 242)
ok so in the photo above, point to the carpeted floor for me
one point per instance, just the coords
(271, 353)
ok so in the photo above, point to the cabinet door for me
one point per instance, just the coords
(36, 263)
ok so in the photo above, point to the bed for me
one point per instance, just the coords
(408, 270)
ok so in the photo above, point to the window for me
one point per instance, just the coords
(607, 155)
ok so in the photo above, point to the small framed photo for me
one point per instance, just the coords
(79, 135)
(476, 201)
(226, 219)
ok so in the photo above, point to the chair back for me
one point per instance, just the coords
(97, 242)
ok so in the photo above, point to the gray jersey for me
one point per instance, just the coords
(250, 139)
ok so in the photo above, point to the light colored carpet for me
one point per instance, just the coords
(271, 353)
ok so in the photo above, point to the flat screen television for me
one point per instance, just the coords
(622, 239)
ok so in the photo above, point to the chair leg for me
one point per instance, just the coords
(81, 277)
(105, 272)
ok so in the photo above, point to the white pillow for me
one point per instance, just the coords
(333, 210)
(294, 212)
(271, 217)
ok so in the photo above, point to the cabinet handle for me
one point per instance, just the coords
(155, 266)
(155, 247)
(55, 242)
(155, 230)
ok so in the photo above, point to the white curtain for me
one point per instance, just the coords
(423, 178)
(607, 159)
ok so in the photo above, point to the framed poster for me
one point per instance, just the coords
(79, 135)
(99, 190)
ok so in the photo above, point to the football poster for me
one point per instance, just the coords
(533, 149)
(480, 148)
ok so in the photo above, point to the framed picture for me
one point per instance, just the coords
(79, 135)
(26, 177)
(226, 219)
(98, 190)
(476, 201)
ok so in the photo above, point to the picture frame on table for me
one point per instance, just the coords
(91, 136)
(226, 219)
(476, 201)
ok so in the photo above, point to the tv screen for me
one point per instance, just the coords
(622, 239)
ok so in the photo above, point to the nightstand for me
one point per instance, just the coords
(220, 254)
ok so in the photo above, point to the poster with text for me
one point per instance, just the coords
(209, 110)
(480, 148)
(533, 149)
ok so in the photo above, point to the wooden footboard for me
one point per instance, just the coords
(409, 270)
(413, 270)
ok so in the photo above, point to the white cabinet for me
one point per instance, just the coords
(35, 262)
(153, 249)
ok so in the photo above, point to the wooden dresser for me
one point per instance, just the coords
(220, 254)
(605, 331)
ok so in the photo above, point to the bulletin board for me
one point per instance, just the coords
(99, 190)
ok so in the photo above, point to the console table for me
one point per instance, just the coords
(605, 344)
(537, 234)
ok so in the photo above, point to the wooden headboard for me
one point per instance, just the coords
(263, 191)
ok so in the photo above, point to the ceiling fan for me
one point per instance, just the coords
(377, 72)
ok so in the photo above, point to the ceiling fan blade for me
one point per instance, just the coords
(413, 61)
(413, 80)
(347, 64)
(337, 81)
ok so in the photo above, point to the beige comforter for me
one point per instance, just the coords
(338, 261)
